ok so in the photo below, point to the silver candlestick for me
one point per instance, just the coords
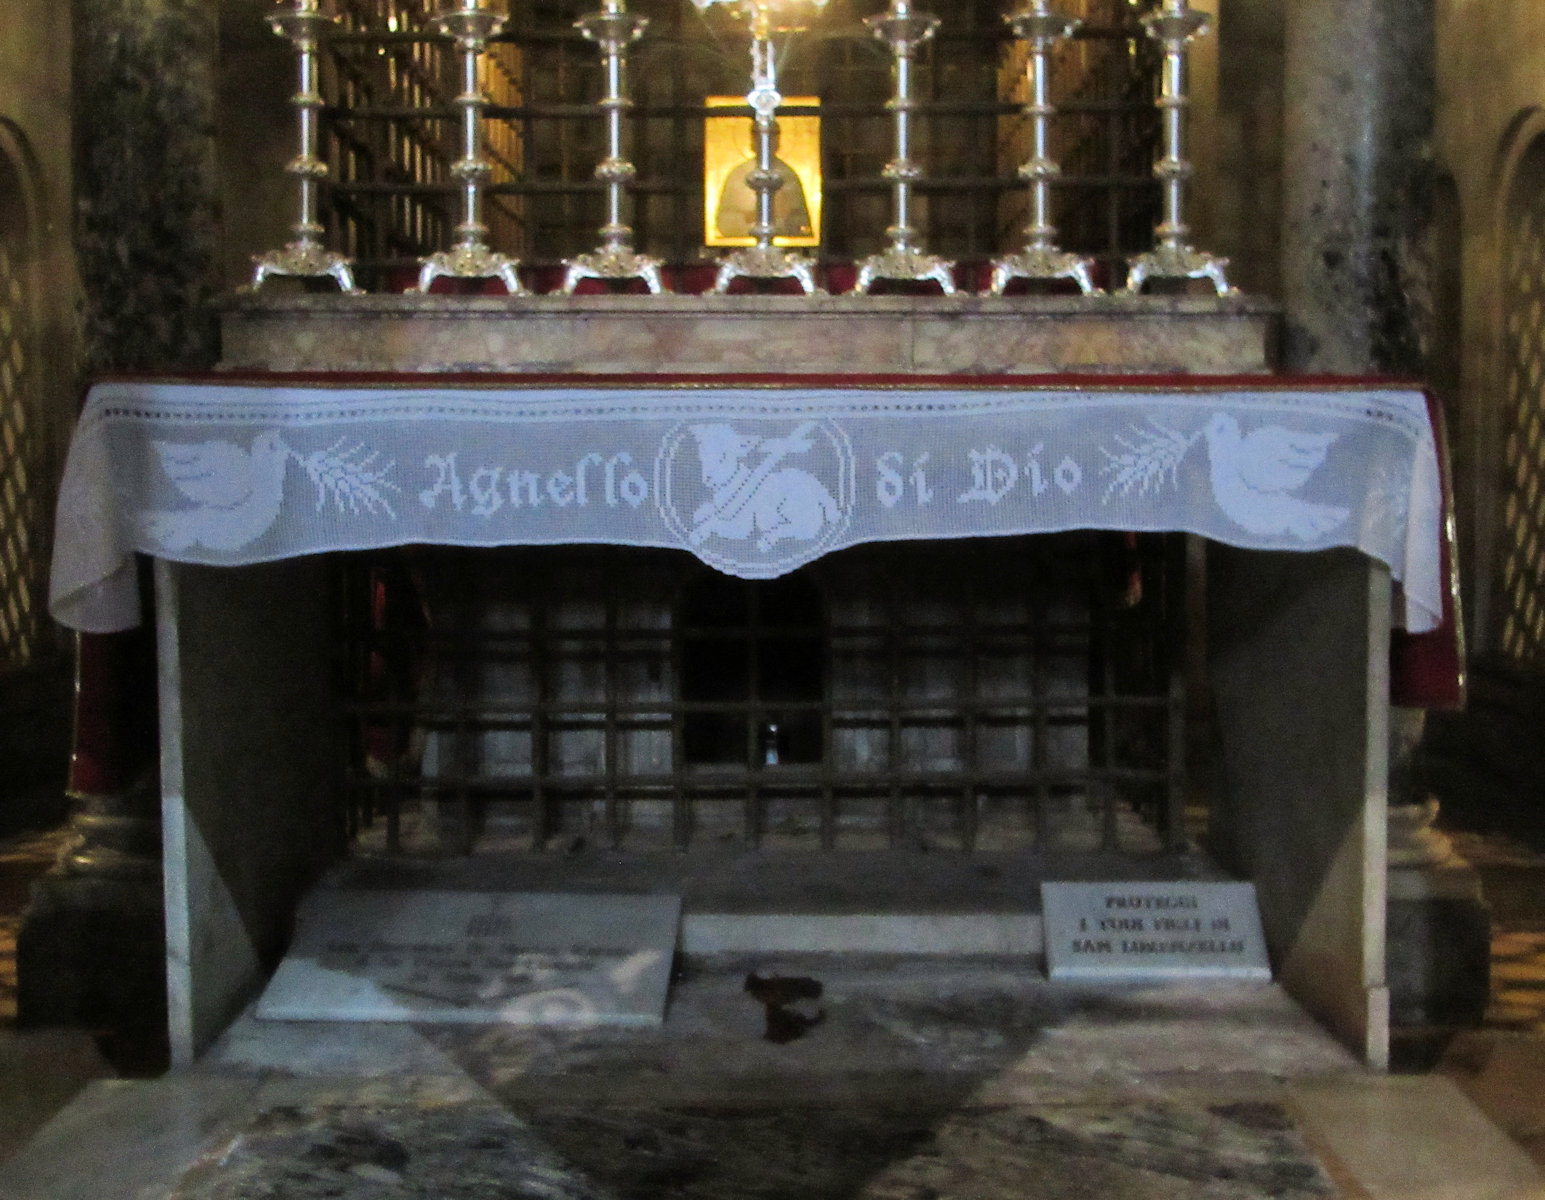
(765, 260)
(1041, 29)
(305, 256)
(471, 24)
(903, 30)
(614, 30)
(1172, 256)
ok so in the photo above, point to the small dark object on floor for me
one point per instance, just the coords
(777, 992)
(782, 989)
(785, 1025)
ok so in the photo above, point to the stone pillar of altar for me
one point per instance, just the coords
(91, 950)
(1355, 183)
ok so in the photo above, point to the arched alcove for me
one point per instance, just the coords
(1518, 589)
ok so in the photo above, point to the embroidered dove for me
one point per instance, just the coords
(1253, 474)
(239, 492)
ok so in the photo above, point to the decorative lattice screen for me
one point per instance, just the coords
(21, 535)
(1521, 580)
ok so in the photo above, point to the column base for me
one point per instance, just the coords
(91, 950)
(91, 953)
(1438, 926)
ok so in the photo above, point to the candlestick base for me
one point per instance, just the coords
(765, 262)
(902, 264)
(1177, 262)
(471, 261)
(1176, 27)
(306, 260)
(1043, 263)
(612, 262)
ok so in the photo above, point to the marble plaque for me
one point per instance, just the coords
(474, 957)
(1137, 931)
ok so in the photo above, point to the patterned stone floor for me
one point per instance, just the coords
(771, 1142)
(1513, 876)
(1158, 1150)
(23, 858)
(1518, 982)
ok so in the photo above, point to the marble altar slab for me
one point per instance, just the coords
(1144, 931)
(477, 957)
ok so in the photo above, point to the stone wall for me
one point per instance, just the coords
(257, 134)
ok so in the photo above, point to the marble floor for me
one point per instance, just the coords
(1501, 1066)
(1167, 1150)
(925, 1080)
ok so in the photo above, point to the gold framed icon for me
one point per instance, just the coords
(729, 155)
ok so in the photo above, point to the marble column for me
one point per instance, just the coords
(146, 181)
(1357, 202)
(92, 949)
(1359, 91)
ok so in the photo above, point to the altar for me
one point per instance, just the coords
(454, 437)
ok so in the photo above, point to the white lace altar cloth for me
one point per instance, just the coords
(754, 480)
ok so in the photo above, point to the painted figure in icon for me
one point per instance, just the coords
(736, 213)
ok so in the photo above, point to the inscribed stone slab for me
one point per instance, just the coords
(1138, 931)
(473, 957)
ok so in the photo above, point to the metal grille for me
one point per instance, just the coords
(1522, 573)
(1003, 693)
(1105, 135)
(389, 122)
(392, 135)
(23, 547)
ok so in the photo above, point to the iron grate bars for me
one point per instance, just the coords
(389, 132)
(1002, 693)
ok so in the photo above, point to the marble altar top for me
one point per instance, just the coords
(837, 334)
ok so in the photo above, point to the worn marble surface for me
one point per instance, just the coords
(1364, 1129)
(1174, 1150)
(877, 1041)
(378, 1152)
(992, 1030)
(697, 334)
(968, 1080)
